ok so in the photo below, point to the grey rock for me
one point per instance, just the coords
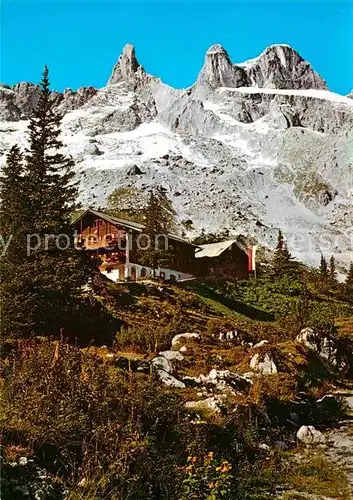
(8, 109)
(134, 170)
(73, 100)
(128, 68)
(265, 365)
(169, 380)
(260, 344)
(271, 115)
(211, 403)
(185, 336)
(331, 352)
(172, 355)
(26, 98)
(218, 70)
(281, 67)
(162, 363)
(309, 435)
(92, 150)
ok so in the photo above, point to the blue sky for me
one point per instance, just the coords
(81, 40)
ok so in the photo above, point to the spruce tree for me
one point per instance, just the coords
(15, 303)
(332, 270)
(157, 220)
(283, 261)
(12, 192)
(348, 284)
(50, 174)
(324, 272)
(50, 275)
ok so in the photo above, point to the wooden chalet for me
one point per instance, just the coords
(115, 241)
(227, 260)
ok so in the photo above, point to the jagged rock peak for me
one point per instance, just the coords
(279, 66)
(127, 68)
(217, 48)
(218, 70)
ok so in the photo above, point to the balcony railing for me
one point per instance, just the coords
(93, 243)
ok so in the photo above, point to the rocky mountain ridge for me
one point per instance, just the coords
(250, 147)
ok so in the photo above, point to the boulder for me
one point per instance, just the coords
(183, 348)
(260, 344)
(265, 365)
(92, 149)
(309, 435)
(172, 355)
(185, 336)
(162, 363)
(220, 380)
(169, 380)
(211, 403)
(134, 170)
(226, 378)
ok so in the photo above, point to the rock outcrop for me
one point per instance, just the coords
(128, 69)
(278, 67)
(20, 101)
(263, 364)
(282, 67)
(218, 70)
(332, 353)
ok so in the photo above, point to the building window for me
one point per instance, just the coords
(143, 272)
(172, 277)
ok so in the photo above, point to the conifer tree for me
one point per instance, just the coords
(49, 173)
(158, 219)
(49, 276)
(324, 272)
(332, 270)
(349, 280)
(15, 304)
(12, 193)
(283, 261)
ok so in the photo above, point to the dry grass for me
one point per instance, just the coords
(313, 473)
(345, 326)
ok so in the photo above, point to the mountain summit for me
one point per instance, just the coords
(127, 68)
(279, 67)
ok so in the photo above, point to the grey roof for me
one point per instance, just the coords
(216, 249)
